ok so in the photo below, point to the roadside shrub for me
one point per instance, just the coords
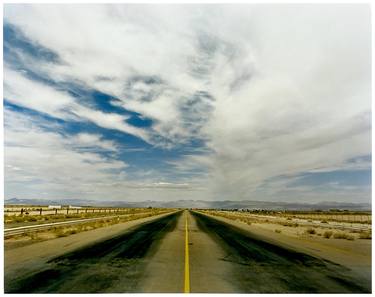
(327, 234)
(73, 231)
(277, 230)
(289, 224)
(310, 231)
(365, 235)
(339, 235)
(342, 235)
(58, 216)
(19, 219)
(324, 222)
(60, 233)
(79, 228)
(32, 235)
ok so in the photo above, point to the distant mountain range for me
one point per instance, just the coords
(227, 204)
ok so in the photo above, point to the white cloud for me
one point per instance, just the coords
(43, 98)
(22, 91)
(41, 163)
(289, 85)
(40, 159)
(308, 104)
(86, 140)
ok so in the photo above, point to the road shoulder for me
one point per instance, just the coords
(355, 255)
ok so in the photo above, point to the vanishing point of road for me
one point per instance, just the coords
(189, 252)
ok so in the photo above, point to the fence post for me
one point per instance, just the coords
(86, 210)
(67, 210)
(40, 211)
(55, 211)
(22, 211)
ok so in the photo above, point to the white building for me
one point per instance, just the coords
(54, 206)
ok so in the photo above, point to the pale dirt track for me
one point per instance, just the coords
(150, 258)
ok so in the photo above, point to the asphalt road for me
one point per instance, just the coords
(187, 252)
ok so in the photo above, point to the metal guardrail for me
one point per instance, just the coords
(33, 228)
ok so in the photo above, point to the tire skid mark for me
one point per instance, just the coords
(263, 267)
(113, 265)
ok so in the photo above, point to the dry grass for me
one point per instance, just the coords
(235, 217)
(310, 231)
(60, 233)
(10, 219)
(363, 217)
(304, 230)
(32, 235)
(288, 224)
(63, 231)
(343, 235)
(327, 234)
(365, 235)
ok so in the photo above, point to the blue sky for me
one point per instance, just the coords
(165, 102)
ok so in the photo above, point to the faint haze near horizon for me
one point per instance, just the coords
(168, 102)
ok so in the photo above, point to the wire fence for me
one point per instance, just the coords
(21, 211)
(338, 217)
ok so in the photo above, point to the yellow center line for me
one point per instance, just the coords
(187, 272)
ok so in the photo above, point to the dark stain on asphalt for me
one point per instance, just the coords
(263, 267)
(114, 265)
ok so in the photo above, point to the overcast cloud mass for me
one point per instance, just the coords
(166, 102)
